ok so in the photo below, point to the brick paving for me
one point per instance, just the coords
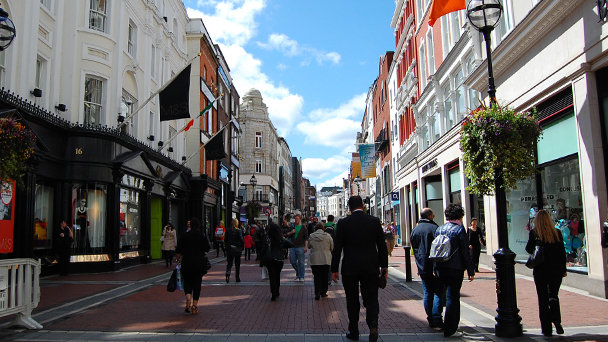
(234, 312)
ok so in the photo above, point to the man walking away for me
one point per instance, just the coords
(451, 272)
(421, 239)
(299, 237)
(361, 238)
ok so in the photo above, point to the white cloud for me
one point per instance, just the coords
(290, 48)
(284, 107)
(335, 127)
(282, 67)
(233, 21)
(336, 181)
(316, 168)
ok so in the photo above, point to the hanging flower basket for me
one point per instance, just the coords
(498, 140)
(16, 147)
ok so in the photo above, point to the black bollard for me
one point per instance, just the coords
(408, 263)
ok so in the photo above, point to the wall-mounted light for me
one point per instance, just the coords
(166, 20)
(121, 118)
(36, 92)
(151, 138)
(170, 149)
(160, 144)
(61, 107)
(184, 158)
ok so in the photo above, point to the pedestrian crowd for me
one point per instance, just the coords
(359, 246)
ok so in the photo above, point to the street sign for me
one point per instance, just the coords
(267, 211)
(395, 196)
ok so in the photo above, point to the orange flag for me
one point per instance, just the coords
(189, 125)
(440, 8)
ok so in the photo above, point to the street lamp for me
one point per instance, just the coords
(358, 180)
(485, 15)
(253, 181)
(7, 30)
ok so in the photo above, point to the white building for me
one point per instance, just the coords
(335, 205)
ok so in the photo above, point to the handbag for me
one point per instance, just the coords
(382, 282)
(206, 263)
(172, 285)
(538, 256)
(162, 238)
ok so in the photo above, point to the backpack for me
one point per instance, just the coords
(441, 247)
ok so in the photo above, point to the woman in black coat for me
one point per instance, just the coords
(272, 256)
(234, 247)
(548, 275)
(190, 252)
(475, 240)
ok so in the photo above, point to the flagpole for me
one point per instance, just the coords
(156, 93)
(160, 148)
(203, 145)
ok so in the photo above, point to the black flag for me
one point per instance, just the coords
(174, 99)
(214, 149)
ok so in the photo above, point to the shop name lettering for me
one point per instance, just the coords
(6, 244)
(570, 188)
(429, 166)
(175, 109)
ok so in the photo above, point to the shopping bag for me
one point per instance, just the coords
(264, 273)
(172, 285)
(180, 280)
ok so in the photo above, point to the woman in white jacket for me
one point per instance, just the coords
(169, 244)
(320, 245)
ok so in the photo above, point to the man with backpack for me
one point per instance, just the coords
(421, 239)
(330, 228)
(450, 251)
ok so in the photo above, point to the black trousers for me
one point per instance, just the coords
(168, 257)
(320, 274)
(64, 262)
(274, 276)
(475, 252)
(247, 254)
(237, 264)
(192, 282)
(369, 294)
(219, 244)
(547, 290)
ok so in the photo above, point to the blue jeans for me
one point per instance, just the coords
(452, 280)
(297, 261)
(434, 299)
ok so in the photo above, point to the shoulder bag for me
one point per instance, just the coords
(538, 256)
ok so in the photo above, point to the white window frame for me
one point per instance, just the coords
(97, 14)
(500, 32)
(258, 140)
(131, 124)
(258, 166)
(430, 51)
(2, 67)
(132, 39)
(151, 124)
(46, 3)
(91, 104)
(153, 62)
(423, 76)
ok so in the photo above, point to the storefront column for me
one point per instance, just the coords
(445, 187)
(113, 227)
(404, 217)
(23, 231)
(592, 172)
(464, 195)
(146, 223)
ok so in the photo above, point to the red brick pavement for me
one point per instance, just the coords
(577, 309)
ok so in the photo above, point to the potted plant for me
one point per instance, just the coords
(16, 147)
(498, 145)
(252, 210)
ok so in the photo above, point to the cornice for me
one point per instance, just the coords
(541, 20)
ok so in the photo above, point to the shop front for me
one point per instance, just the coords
(100, 181)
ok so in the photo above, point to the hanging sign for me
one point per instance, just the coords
(367, 155)
(7, 216)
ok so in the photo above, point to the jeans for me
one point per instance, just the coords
(297, 261)
(547, 290)
(452, 281)
(434, 299)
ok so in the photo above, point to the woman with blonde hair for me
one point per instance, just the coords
(548, 274)
(234, 247)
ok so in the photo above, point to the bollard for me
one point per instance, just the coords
(408, 263)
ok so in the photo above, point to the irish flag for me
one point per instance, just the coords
(440, 8)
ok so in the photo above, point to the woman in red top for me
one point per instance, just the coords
(248, 243)
(220, 232)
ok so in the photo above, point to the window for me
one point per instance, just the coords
(132, 39)
(39, 67)
(258, 166)
(92, 100)
(151, 123)
(258, 139)
(43, 211)
(455, 22)
(2, 67)
(153, 62)
(172, 133)
(97, 15)
(431, 51)
(504, 26)
(420, 10)
(89, 218)
(422, 68)
(445, 35)
(460, 95)
(447, 106)
(46, 3)
(436, 126)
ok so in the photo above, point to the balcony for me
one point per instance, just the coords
(260, 198)
(381, 141)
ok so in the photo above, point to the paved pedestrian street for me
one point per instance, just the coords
(133, 305)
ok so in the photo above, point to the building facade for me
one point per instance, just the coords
(285, 204)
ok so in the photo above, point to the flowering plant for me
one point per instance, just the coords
(496, 140)
(16, 147)
(252, 210)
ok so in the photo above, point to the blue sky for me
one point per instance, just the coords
(313, 61)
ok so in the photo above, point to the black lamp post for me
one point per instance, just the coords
(7, 30)
(253, 181)
(485, 15)
(358, 181)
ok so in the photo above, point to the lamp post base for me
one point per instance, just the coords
(508, 321)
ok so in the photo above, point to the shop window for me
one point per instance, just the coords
(455, 185)
(434, 197)
(43, 217)
(559, 139)
(89, 218)
(130, 212)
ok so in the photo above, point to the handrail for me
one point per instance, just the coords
(20, 290)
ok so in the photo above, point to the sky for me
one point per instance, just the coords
(313, 61)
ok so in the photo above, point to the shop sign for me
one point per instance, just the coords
(570, 188)
(602, 9)
(431, 165)
(395, 196)
(224, 174)
(7, 216)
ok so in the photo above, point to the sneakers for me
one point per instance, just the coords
(296, 278)
(456, 334)
(301, 280)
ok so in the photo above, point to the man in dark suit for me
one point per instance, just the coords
(361, 238)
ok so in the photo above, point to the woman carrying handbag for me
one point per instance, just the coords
(549, 272)
(234, 247)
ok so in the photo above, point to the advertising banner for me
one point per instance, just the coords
(356, 169)
(367, 155)
(7, 216)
